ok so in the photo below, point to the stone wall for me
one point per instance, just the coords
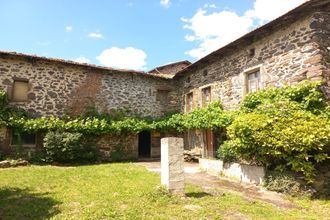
(239, 172)
(321, 23)
(50, 83)
(289, 54)
(286, 55)
(55, 88)
(140, 95)
(113, 147)
(8, 148)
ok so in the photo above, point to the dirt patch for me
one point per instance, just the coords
(217, 186)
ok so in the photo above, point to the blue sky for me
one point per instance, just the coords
(135, 34)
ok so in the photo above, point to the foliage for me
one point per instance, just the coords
(68, 147)
(3, 110)
(7, 111)
(279, 127)
(226, 153)
(118, 153)
(18, 146)
(212, 116)
(282, 128)
(307, 95)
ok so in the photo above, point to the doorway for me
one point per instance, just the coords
(209, 146)
(144, 144)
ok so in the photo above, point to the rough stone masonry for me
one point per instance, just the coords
(287, 50)
(172, 165)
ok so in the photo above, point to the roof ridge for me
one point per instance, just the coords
(71, 62)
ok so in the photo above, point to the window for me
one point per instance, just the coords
(162, 96)
(189, 102)
(252, 52)
(206, 96)
(20, 90)
(253, 81)
(23, 138)
(188, 79)
(205, 72)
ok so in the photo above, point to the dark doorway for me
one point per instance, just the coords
(144, 144)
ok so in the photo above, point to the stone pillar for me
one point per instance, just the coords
(172, 166)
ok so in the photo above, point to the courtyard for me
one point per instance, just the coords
(133, 191)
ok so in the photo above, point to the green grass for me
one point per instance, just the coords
(125, 191)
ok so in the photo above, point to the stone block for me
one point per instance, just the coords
(4, 164)
(172, 165)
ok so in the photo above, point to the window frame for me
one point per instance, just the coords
(162, 99)
(203, 91)
(255, 79)
(245, 81)
(12, 144)
(189, 101)
(19, 80)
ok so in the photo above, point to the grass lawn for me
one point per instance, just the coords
(125, 191)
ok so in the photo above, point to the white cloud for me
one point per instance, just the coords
(214, 30)
(68, 28)
(165, 3)
(82, 60)
(266, 10)
(124, 58)
(96, 35)
(210, 6)
(190, 37)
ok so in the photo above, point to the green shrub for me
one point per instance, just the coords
(308, 95)
(226, 153)
(68, 147)
(285, 127)
(282, 135)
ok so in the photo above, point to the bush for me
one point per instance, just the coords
(299, 141)
(283, 128)
(308, 95)
(226, 153)
(68, 147)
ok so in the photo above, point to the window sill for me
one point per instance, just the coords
(25, 145)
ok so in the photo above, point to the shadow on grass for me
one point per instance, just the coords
(197, 194)
(78, 164)
(16, 203)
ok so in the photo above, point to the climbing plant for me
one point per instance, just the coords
(286, 127)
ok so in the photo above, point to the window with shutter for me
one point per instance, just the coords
(20, 91)
(206, 96)
(189, 102)
(253, 81)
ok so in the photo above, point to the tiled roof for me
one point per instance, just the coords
(69, 62)
(166, 71)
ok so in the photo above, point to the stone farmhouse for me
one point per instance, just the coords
(287, 50)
